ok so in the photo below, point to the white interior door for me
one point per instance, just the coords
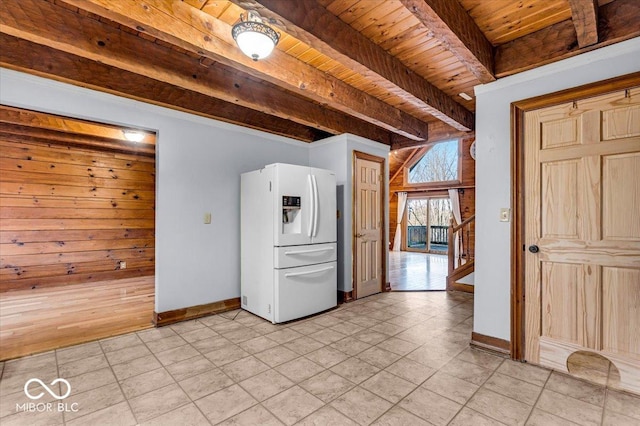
(582, 229)
(368, 236)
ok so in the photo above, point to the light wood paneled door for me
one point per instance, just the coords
(582, 231)
(369, 239)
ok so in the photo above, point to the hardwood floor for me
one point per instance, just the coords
(40, 320)
(410, 271)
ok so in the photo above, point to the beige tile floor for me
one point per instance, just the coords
(390, 359)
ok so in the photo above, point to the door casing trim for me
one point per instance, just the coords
(384, 286)
(518, 110)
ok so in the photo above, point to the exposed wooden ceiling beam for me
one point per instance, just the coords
(87, 37)
(584, 14)
(311, 23)
(448, 22)
(179, 23)
(617, 21)
(23, 55)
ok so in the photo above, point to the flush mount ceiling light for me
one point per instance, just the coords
(255, 38)
(133, 135)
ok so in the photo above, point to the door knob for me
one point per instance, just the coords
(534, 249)
(359, 235)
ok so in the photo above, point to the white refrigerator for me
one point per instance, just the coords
(288, 241)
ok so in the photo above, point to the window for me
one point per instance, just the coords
(438, 164)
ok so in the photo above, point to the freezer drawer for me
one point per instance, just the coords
(294, 256)
(304, 291)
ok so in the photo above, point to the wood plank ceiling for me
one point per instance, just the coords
(387, 70)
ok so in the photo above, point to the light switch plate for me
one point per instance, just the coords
(505, 214)
(207, 218)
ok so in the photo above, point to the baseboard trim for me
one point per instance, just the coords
(345, 296)
(466, 288)
(494, 344)
(192, 312)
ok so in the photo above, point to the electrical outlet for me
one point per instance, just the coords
(122, 264)
(505, 214)
(207, 218)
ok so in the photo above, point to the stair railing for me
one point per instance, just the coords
(460, 250)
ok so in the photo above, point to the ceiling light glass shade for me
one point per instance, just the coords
(133, 136)
(255, 39)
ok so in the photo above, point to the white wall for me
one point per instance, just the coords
(336, 153)
(493, 186)
(198, 168)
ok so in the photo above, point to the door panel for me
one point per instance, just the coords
(293, 181)
(562, 132)
(582, 286)
(620, 123)
(570, 302)
(621, 295)
(368, 226)
(559, 199)
(621, 191)
(326, 228)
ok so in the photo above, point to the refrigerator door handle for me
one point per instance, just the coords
(312, 210)
(316, 205)
(288, 253)
(315, 271)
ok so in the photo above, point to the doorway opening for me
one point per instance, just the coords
(423, 265)
(78, 231)
(426, 225)
(416, 271)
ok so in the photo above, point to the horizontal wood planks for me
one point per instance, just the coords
(72, 207)
(383, 22)
(390, 25)
(54, 317)
(496, 18)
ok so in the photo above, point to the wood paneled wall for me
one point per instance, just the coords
(466, 193)
(76, 200)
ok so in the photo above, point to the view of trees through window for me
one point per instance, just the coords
(438, 209)
(439, 164)
(433, 211)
